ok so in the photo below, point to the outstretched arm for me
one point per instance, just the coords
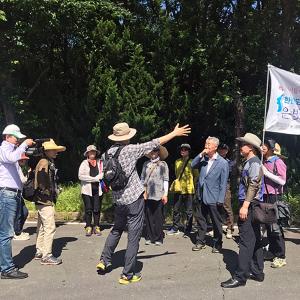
(178, 131)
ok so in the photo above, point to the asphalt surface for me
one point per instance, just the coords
(171, 271)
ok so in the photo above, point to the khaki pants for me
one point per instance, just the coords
(45, 229)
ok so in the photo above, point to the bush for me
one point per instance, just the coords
(294, 201)
(70, 200)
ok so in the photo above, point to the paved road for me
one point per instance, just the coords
(171, 271)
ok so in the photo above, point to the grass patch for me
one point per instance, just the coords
(70, 200)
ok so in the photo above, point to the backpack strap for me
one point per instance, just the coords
(116, 155)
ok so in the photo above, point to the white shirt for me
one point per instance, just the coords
(210, 161)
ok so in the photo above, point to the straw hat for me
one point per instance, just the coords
(277, 151)
(14, 130)
(163, 152)
(51, 145)
(91, 148)
(252, 139)
(122, 132)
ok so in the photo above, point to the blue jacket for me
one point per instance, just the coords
(211, 186)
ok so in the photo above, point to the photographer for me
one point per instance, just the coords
(10, 196)
(45, 185)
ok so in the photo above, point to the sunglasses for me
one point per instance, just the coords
(184, 149)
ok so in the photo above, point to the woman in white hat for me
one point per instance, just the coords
(155, 178)
(90, 173)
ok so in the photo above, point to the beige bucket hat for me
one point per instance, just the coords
(51, 145)
(91, 148)
(277, 151)
(252, 139)
(163, 153)
(122, 132)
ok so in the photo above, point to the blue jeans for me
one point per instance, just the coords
(22, 214)
(9, 202)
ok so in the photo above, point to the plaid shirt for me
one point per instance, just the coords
(128, 158)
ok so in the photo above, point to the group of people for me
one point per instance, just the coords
(201, 187)
(13, 212)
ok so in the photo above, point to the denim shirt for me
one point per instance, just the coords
(251, 182)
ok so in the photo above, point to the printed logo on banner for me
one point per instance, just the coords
(284, 107)
(288, 106)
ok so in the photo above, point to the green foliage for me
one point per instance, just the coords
(71, 69)
(70, 200)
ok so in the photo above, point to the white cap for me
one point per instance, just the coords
(14, 130)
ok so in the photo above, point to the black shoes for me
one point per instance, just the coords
(232, 283)
(14, 274)
(259, 278)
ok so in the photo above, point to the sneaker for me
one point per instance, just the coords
(14, 274)
(278, 262)
(158, 243)
(102, 266)
(97, 231)
(88, 231)
(198, 247)
(173, 231)
(147, 242)
(38, 256)
(211, 233)
(23, 236)
(216, 249)
(229, 233)
(126, 280)
(51, 260)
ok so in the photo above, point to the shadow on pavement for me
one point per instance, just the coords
(230, 259)
(293, 240)
(26, 255)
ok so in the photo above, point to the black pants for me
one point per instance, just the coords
(179, 201)
(133, 216)
(250, 259)
(201, 211)
(228, 208)
(92, 206)
(275, 232)
(154, 219)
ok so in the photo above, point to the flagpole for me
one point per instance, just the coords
(266, 102)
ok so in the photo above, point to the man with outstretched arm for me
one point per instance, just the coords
(129, 201)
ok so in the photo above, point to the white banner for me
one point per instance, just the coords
(284, 106)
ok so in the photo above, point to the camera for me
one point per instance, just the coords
(38, 149)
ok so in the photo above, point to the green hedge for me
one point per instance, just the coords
(69, 200)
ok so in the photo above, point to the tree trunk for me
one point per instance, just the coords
(239, 130)
(288, 24)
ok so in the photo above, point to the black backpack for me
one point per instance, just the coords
(28, 187)
(113, 174)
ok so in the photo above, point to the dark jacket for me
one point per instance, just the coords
(45, 182)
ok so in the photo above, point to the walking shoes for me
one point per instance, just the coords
(126, 279)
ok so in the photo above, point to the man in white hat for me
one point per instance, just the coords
(45, 185)
(10, 196)
(250, 259)
(130, 201)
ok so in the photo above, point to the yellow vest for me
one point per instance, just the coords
(189, 176)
